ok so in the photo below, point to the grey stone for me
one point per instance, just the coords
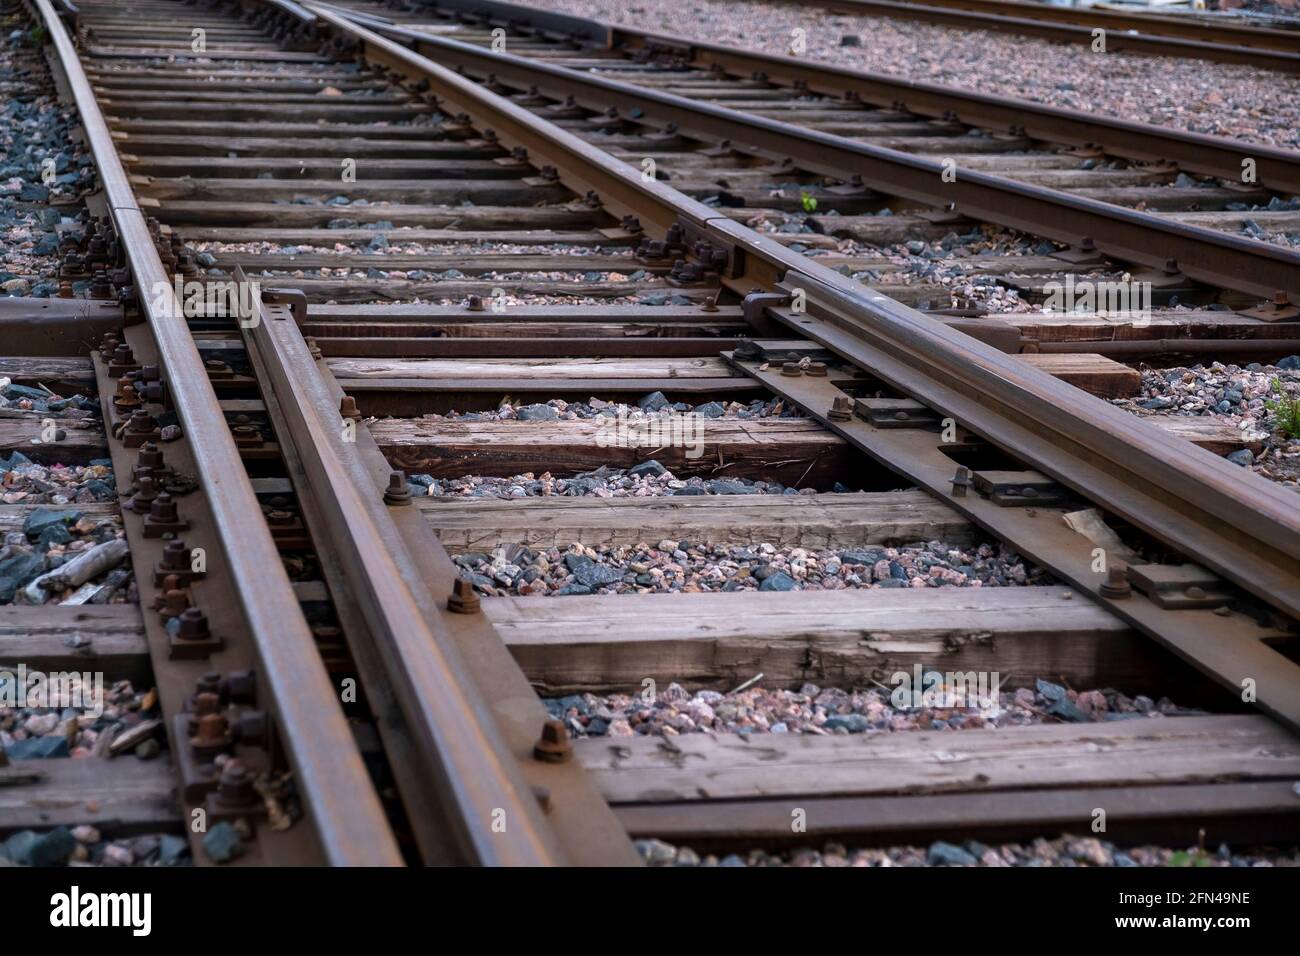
(42, 518)
(780, 581)
(654, 402)
(54, 534)
(538, 413)
(651, 468)
(853, 723)
(222, 843)
(22, 567)
(172, 850)
(38, 748)
(859, 556)
(18, 848)
(1243, 456)
(730, 486)
(1066, 710)
(946, 854)
(587, 572)
(148, 749)
(1049, 690)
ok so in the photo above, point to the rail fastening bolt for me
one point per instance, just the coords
(463, 600)
(397, 493)
(554, 745)
(1116, 585)
(841, 410)
(193, 625)
(348, 408)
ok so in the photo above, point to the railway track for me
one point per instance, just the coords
(1219, 39)
(309, 615)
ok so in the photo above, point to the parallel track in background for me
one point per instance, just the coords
(1216, 39)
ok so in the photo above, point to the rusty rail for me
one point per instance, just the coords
(1223, 260)
(476, 776)
(1198, 153)
(1242, 526)
(343, 807)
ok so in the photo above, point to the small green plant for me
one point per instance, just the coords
(1285, 409)
(808, 202)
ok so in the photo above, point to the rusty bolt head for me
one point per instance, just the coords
(209, 683)
(1116, 585)
(397, 493)
(235, 788)
(246, 435)
(554, 745)
(126, 395)
(791, 369)
(193, 625)
(175, 602)
(144, 496)
(163, 507)
(150, 459)
(241, 686)
(348, 408)
(463, 600)
(211, 736)
(841, 410)
(176, 556)
(140, 422)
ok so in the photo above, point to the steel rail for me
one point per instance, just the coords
(1242, 526)
(343, 807)
(1193, 152)
(1219, 259)
(1199, 153)
(1276, 55)
(476, 775)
